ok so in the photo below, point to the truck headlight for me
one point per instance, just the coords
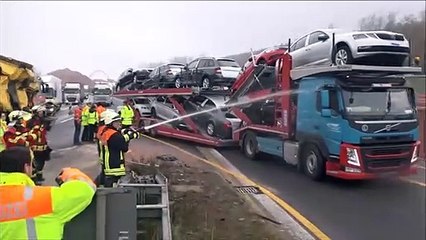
(352, 156)
(415, 154)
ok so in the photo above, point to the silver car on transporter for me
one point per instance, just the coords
(360, 47)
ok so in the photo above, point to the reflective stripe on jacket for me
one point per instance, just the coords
(18, 137)
(39, 212)
(127, 115)
(113, 156)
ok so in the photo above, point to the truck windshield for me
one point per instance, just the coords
(102, 91)
(394, 102)
(50, 93)
(72, 90)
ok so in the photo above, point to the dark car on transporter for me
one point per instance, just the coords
(207, 72)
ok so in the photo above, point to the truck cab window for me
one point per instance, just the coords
(334, 101)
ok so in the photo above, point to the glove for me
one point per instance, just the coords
(69, 174)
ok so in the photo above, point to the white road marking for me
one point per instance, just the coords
(66, 120)
(64, 149)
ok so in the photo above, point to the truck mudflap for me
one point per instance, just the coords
(370, 162)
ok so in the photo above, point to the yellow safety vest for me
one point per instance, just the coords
(84, 116)
(127, 115)
(92, 118)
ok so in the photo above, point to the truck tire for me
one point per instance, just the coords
(313, 162)
(249, 146)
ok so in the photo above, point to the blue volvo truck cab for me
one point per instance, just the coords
(350, 122)
(356, 126)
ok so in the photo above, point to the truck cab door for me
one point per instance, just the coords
(329, 125)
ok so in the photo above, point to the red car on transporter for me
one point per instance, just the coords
(268, 56)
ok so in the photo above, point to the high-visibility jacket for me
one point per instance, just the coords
(2, 143)
(37, 126)
(100, 109)
(18, 136)
(127, 115)
(3, 128)
(115, 145)
(100, 146)
(3, 125)
(77, 114)
(40, 212)
(92, 118)
(84, 116)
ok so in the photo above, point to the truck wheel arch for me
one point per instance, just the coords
(312, 140)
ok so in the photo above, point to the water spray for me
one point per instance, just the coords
(244, 101)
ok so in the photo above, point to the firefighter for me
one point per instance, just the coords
(84, 123)
(38, 212)
(100, 108)
(100, 178)
(92, 120)
(17, 134)
(77, 124)
(39, 146)
(127, 115)
(115, 144)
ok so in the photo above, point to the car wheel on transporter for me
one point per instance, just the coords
(210, 128)
(249, 146)
(313, 162)
(178, 83)
(205, 83)
(342, 56)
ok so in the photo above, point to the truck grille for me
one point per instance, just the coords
(71, 99)
(398, 49)
(379, 158)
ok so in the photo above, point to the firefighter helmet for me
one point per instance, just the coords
(110, 117)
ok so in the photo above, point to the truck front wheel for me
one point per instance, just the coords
(249, 145)
(313, 162)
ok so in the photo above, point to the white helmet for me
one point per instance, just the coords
(110, 117)
(19, 114)
(105, 113)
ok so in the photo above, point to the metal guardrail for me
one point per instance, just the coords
(153, 202)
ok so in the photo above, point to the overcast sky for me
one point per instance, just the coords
(111, 36)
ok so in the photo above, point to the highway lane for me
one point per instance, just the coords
(62, 132)
(381, 209)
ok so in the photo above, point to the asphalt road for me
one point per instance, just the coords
(382, 209)
(62, 133)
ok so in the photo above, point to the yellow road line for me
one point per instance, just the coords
(414, 182)
(292, 211)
